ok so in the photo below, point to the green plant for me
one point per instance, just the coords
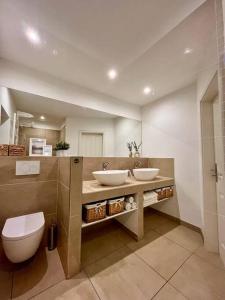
(62, 146)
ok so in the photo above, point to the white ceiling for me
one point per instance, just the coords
(54, 111)
(144, 40)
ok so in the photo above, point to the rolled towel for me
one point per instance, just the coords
(130, 200)
(127, 206)
(134, 205)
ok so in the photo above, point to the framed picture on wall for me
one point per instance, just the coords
(36, 147)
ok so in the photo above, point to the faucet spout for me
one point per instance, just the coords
(105, 165)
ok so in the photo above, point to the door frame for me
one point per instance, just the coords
(91, 132)
(210, 210)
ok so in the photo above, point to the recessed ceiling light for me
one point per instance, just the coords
(147, 90)
(42, 117)
(33, 35)
(112, 74)
(188, 50)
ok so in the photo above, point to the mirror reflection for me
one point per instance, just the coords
(50, 127)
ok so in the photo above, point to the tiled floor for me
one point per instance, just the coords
(169, 263)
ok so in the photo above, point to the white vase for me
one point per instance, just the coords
(61, 153)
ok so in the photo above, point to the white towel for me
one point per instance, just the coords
(130, 200)
(127, 206)
(134, 205)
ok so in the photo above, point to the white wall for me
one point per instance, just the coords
(6, 129)
(25, 79)
(75, 125)
(170, 130)
(126, 130)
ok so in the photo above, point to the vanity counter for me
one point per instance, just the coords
(93, 191)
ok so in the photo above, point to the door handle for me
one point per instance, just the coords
(214, 172)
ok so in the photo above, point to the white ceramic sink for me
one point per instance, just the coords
(111, 177)
(145, 173)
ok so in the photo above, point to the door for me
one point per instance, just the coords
(91, 144)
(218, 174)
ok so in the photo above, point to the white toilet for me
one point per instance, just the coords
(21, 236)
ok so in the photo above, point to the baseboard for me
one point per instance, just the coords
(175, 219)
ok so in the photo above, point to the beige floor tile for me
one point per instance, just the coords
(122, 275)
(164, 256)
(149, 237)
(185, 237)
(5, 284)
(210, 257)
(169, 293)
(96, 246)
(199, 280)
(78, 288)
(36, 275)
(166, 227)
(152, 221)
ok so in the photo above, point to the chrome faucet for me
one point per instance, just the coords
(105, 165)
(138, 164)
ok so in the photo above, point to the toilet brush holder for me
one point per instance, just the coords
(52, 237)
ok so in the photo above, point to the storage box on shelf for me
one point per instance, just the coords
(94, 211)
(115, 206)
(4, 150)
(17, 150)
(164, 193)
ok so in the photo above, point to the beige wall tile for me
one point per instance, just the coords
(76, 166)
(62, 246)
(20, 199)
(166, 166)
(5, 284)
(63, 205)
(49, 169)
(64, 171)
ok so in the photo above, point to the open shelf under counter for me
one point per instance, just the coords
(84, 224)
(157, 202)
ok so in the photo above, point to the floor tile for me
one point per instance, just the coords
(96, 246)
(122, 275)
(37, 274)
(199, 280)
(166, 227)
(5, 284)
(187, 238)
(164, 256)
(79, 288)
(210, 257)
(152, 221)
(149, 237)
(169, 293)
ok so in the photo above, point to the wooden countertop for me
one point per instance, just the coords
(93, 191)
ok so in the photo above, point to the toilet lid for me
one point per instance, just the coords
(22, 226)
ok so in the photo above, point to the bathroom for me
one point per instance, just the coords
(112, 149)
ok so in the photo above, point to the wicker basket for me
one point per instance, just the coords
(169, 191)
(95, 211)
(4, 150)
(115, 206)
(160, 194)
(17, 150)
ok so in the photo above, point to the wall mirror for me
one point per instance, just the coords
(88, 132)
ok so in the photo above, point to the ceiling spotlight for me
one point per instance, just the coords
(147, 90)
(42, 117)
(33, 35)
(112, 74)
(188, 50)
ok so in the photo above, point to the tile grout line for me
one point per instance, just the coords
(92, 284)
(12, 285)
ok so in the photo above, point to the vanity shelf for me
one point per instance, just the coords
(84, 224)
(158, 201)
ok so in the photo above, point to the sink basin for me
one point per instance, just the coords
(145, 173)
(111, 177)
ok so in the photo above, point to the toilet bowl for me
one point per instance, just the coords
(21, 236)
